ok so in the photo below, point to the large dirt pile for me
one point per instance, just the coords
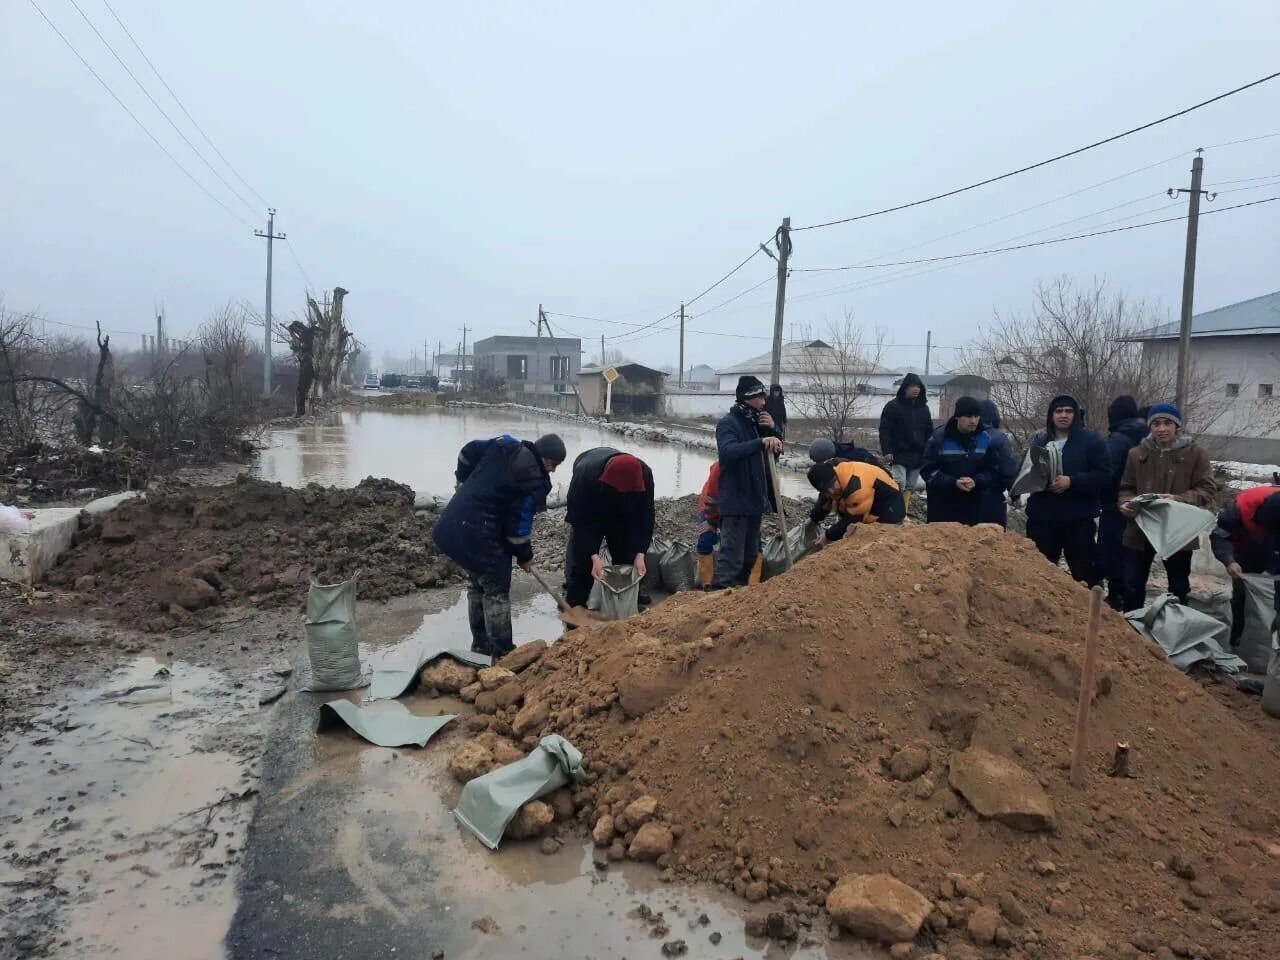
(190, 549)
(901, 706)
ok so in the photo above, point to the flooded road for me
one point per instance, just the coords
(419, 447)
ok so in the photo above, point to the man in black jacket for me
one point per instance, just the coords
(964, 469)
(905, 428)
(744, 437)
(610, 500)
(1128, 429)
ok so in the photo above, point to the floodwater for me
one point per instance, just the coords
(124, 812)
(419, 447)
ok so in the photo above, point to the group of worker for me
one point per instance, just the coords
(967, 466)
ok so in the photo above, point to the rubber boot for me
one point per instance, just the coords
(757, 569)
(706, 569)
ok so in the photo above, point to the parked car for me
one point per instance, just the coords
(447, 385)
(413, 383)
(390, 381)
(371, 381)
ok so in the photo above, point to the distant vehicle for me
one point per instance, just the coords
(413, 383)
(371, 381)
(390, 381)
(447, 386)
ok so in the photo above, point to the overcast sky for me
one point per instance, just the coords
(457, 164)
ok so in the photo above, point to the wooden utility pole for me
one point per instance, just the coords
(680, 380)
(928, 350)
(269, 236)
(783, 241)
(1188, 278)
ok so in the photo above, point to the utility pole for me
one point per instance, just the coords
(680, 381)
(463, 359)
(783, 241)
(603, 364)
(928, 350)
(1188, 277)
(435, 372)
(537, 356)
(269, 236)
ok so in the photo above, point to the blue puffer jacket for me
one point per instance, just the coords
(950, 455)
(744, 489)
(1085, 461)
(489, 520)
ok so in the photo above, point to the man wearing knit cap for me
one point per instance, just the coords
(502, 483)
(824, 448)
(964, 470)
(611, 501)
(1061, 518)
(1128, 429)
(858, 493)
(1170, 464)
(744, 437)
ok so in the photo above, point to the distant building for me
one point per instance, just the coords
(944, 389)
(452, 366)
(805, 362)
(1235, 360)
(541, 371)
(637, 391)
(701, 377)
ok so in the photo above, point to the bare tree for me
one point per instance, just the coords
(1080, 341)
(834, 386)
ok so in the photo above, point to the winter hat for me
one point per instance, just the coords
(1122, 408)
(748, 387)
(550, 447)
(968, 407)
(624, 473)
(1268, 513)
(821, 475)
(822, 449)
(1167, 410)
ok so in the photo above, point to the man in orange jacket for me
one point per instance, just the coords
(858, 492)
(709, 531)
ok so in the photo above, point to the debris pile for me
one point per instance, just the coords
(38, 474)
(885, 733)
(163, 561)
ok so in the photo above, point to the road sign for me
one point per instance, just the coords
(611, 374)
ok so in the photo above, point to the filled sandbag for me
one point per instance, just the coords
(1251, 640)
(799, 538)
(678, 568)
(332, 644)
(653, 564)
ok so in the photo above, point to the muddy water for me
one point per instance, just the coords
(115, 839)
(420, 447)
(359, 854)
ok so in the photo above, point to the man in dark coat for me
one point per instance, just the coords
(776, 407)
(610, 500)
(905, 428)
(502, 483)
(996, 509)
(963, 470)
(1061, 518)
(1128, 429)
(744, 437)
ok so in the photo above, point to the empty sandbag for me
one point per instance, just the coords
(1254, 603)
(617, 593)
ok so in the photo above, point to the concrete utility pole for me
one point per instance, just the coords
(159, 341)
(603, 362)
(680, 380)
(462, 382)
(269, 236)
(1188, 277)
(537, 355)
(928, 350)
(783, 240)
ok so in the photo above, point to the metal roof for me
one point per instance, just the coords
(1261, 315)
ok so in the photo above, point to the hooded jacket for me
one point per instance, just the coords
(489, 520)
(991, 423)
(1240, 536)
(744, 489)
(906, 425)
(867, 495)
(1084, 461)
(1183, 471)
(625, 519)
(1124, 436)
(950, 455)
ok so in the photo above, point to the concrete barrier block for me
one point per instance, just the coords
(26, 557)
(103, 504)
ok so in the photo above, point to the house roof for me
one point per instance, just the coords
(499, 342)
(1261, 315)
(935, 380)
(805, 356)
(594, 369)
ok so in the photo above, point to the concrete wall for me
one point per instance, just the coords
(795, 379)
(27, 557)
(540, 355)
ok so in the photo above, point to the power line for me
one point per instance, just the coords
(1043, 163)
(135, 119)
(168, 119)
(180, 104)
(298, 263)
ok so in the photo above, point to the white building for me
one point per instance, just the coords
(1235, 358)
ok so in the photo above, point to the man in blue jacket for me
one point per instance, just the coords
(964, 469)
(1128, 429)
(502, 483)
(1061, 519)
(744, 437)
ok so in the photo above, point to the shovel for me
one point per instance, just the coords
(574, 616)
(772, 469)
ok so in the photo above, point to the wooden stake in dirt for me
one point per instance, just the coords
(1081, 743)
(772, 469)
(1120, 762)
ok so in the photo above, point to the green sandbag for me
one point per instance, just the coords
(653, 564)
(1170, 526)
(617, 593)
(401, 674)
(389, 726)
(488, 803)
(801, 540)
(332, 642)
(677, 567)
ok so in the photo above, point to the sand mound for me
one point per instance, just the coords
(188, 549)
(902, 704)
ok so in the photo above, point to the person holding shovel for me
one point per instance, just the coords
(1169, 464)
(858, 492)
(744, 437)
(611, 501)
(502, 483)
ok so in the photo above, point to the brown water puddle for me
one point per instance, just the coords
(115, 839)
